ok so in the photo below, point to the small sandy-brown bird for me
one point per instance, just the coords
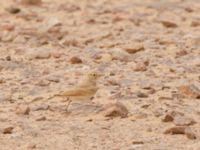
(84, 91)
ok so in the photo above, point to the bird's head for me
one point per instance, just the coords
(94, 75)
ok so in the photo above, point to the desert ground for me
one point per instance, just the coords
(146, 51)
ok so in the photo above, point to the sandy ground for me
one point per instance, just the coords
(148, 52)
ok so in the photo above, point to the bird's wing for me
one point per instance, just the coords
(78, 92)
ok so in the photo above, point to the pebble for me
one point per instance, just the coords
(22, 110)
(140, 67)
(181, 130)
(115, 110)
(120, 54)
(169, 24)
(39, 54)
(13, 10)
(190, 91)
(195, 23)
(5, 98)
(53, 79)
(56, 54)
(170, 115)
(43, 118)
(75, 60)
(31, 146)
(41, 107)
(8, 58)
(43, 83)
(142, 95)
(31, 2)
(134, 48)
(8, 130)
(183, 121)
(103, 58)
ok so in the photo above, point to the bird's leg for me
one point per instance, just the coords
(69, 102)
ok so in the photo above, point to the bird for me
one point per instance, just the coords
(83, 91)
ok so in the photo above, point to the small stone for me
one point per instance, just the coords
(137, 142)
(181, 53)
(43, 118)
(183, 121)
(170, 116)
(31, 2)
(142, 95)
(75, 60)
(2, 80)
(134, 48)
(190, 91)
(53, 79)
(13, 10)
(22, 110)
(181, 130)
(43, 83)
(43, 55)
(120, 54)
(39, 54)
(8, 130)
(105, 57)
(188, 9)
(195, 23)
(176, 130)
(140, 67)
(115, 110)
(5, 98)
(41, 107)
(169, 24)
(8, 58)
(56, 54)
(31, 146)
(190, 134)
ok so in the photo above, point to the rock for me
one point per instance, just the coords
(170, 115)
(142, 95)
(176, 130)
(8, 130)
(120, 54)
(39, 54)
(181, 130)
(169, 24)
(190, 134)
(8, 58)
(5, 98)
(43, 83)
(195, 23)
(13, 9)
(31, 146)
(137, 142)
(41, 118)
(183, 121)
(52, 22)
(31, 2)
(22, 110)
(53, 79)
(190, 91)
(140, 67)
(75, 60)
(134, 48)
(56, 54)
(41, 107)
(115, 110)
(2, 80)
(104, 57)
